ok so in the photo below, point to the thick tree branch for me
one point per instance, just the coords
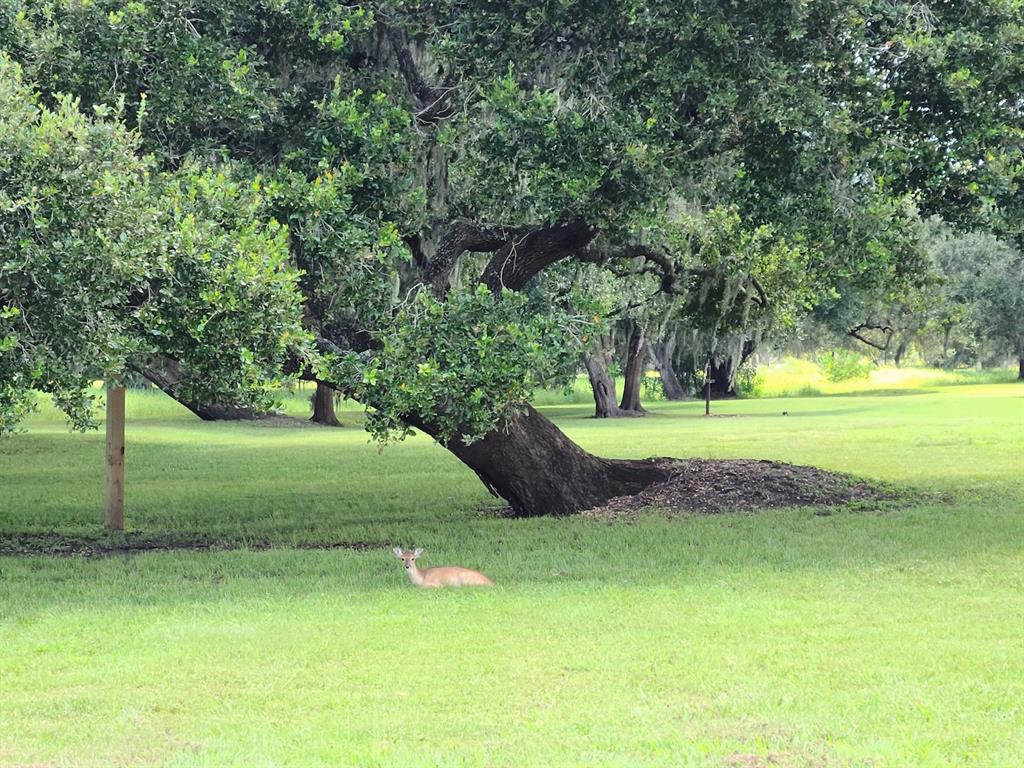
(888, 330)
(434, 102)
(166, 373)
(524, 256)
(460, 236)
(664, 265)
(760, 292)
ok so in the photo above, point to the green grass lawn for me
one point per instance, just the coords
(885, 637)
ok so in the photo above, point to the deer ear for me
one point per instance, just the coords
(397, 551)
(418, 552)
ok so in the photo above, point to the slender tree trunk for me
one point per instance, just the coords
(958, 354)
(1020, 362)
(662, 353)
(166, 374)
(323, 406)
(603, 385)
(539, 471)
(901, 350)
(633, 370)
(707, 387)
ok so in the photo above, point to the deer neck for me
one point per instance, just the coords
(416, 575)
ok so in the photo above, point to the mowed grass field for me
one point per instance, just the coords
(889, 636)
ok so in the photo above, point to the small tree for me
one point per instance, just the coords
(323, 406)
(107, 267)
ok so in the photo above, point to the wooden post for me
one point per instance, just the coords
(114, 518)
(707, 388)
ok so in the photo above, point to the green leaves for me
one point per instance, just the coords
(798, 135)
(536, 156)
(72, 202)
(468, 361)
(105, 265)
(222, 299)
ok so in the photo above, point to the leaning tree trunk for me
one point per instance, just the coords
(602, 383)
(901, 350)
(539, 471)
(662, 353)
(634, 370)
(166, 374)
(528, 461)
(323, 406)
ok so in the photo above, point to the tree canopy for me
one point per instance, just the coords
(105, 264)
(438, 165)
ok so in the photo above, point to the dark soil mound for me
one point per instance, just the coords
(711, 486)
(132, 543)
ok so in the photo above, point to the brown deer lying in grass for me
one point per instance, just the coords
(445, 576)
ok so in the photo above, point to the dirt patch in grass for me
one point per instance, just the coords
(774, 760)
(711, 486)
(136, 543)
(283, 421)
(749, 760)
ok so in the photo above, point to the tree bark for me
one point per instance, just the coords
(166, 374)
(901, 350)
(662, 352)
(602, 383)
(323, 406)
(539, 471)
(524, 256)
(723, 384)
(460, 236)
(1020, 365)
(634, 370)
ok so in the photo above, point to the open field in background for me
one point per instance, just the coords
(798, 377)
(889, 636)
(787, 377)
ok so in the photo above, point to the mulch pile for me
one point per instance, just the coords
(704, 486)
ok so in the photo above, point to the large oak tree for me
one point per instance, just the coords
(436, 163)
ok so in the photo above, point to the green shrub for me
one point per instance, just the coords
(651, 387)
(749, 383)
(844, 365)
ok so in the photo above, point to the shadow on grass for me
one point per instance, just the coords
(109, 544)
(890, 392)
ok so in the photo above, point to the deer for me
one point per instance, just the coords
(445, 576)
